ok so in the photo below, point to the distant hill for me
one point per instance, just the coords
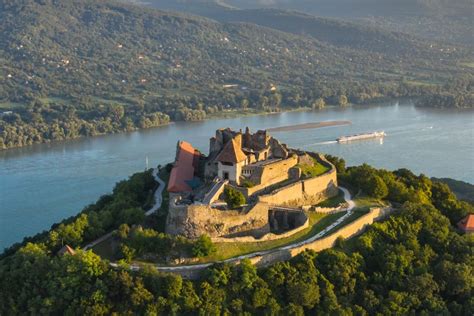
(333, 31)
(449, 20)
(106, 49)
(364, 7)
(463, 190)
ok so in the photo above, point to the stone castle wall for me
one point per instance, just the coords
(194, 220)
(304, 192)
(277, 171)
(266, 237)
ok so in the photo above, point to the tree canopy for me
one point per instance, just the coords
(414, 262)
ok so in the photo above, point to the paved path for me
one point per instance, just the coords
(347, 198)
(158, 194)
(158, 201)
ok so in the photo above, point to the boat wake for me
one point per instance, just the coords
(324, 143)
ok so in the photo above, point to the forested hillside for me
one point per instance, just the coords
(333, 31)
(415, 262)
(449, 20)
(83, 68)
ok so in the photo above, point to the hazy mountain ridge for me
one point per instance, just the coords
(70, 39)
(332, 31)
(450, 21)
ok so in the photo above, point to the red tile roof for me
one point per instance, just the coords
(66, 250)
(183, 169)
(467, 223)
(231, 153)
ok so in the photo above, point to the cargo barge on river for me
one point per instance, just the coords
(345, 139)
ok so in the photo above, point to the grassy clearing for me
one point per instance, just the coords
(367, 202)
(334, 201)
(315, 170)
(317, 223)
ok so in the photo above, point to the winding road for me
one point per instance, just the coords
(184, 268)
(158, 201)
(158, 194)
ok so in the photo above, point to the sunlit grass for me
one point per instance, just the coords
(313, 171)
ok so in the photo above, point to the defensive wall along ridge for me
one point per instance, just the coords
(266, 258)
(304, 192)
(350, 230)
(195, 220)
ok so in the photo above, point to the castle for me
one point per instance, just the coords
(267, 173)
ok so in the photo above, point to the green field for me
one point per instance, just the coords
(313, 171)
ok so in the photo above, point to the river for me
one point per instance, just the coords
(42, 184)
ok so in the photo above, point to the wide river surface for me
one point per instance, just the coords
(42, 184)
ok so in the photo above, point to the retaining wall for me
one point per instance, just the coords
(303, 192)
(195, 220)
(266, 237)
(352, 229)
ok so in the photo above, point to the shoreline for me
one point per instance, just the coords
(226, 114)
(222, 115)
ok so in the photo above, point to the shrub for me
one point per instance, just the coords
(247, 183)
(203, 247)
(233, 197)
(376, 187)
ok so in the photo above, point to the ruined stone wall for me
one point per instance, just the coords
(194, 220)
(284, 195)
(278, 150)
(305, 192)
(326, 181)
(350, 230)
(266, 237)
(277, 171)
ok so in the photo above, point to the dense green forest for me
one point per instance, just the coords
(414, 262)
(83, 68)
